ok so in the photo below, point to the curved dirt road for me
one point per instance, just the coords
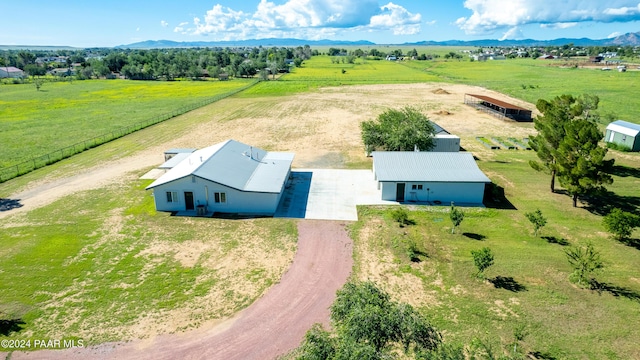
(270, 327)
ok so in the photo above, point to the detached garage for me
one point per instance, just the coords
(624, 133)
(229, 177)
(429, 177)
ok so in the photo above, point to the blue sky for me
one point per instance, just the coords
(89, 23)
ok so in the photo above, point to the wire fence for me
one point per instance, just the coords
(25, 167)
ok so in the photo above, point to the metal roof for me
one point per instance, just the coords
(427, 167)
(497, 102)
(236, 165)
(179, 151)
(175, 160)
(624, 127)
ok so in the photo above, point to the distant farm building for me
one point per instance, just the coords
(229, 177)
(497, 107)
(623, 133)
(11, 72)
(429, 177)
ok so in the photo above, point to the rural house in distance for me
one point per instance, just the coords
(623, 133)
(228, 177)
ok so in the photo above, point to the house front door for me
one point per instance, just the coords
(400, 192)
(188, 200)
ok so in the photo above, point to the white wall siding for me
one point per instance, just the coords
(236, 201)
(462, 193)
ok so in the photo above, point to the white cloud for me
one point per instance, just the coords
(164, 23)
(489, 15)
(562, 25)
(397, 18)
(513, 34)
(614, 35)
(138, 28)
(310, 19)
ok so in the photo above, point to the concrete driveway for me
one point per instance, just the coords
(328, 194)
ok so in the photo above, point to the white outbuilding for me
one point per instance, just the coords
(228, 177)
(429, 177)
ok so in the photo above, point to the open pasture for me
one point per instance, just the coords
(34, 123)
(532, 79)
(75, 267)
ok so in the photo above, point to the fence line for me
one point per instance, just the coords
(25, 167)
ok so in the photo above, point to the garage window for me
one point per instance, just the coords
(416, 187)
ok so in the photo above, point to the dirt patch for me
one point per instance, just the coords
(440, 91)
(444, 112)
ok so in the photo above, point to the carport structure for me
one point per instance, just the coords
(497, 107)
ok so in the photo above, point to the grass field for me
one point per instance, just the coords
(530, 80)
(529, 283)
(103, 265)
(34, 123)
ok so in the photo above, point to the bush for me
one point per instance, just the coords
(401, 216)
(483, 259)
(620, 223)
(619, 147)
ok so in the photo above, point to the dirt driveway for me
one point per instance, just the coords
(272, 326)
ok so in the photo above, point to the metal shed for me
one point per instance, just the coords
(429, 177)
(498, 108)
(623, 133)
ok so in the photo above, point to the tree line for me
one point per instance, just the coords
(160, 64)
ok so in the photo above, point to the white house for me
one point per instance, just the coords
(11, 72)
(431, 177)
(229, 177)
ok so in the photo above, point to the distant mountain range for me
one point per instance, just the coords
(632, 39)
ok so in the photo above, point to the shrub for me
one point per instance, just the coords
(483, 259)
(401, 216)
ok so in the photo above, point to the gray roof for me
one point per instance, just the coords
(438, 129)
(179, 151)
(624, 127)
(175, 160)
(236, 165)
(427, 167)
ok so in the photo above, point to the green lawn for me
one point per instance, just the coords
(34, 123)
(532, 288)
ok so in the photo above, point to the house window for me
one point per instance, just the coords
(220, 197)
(172, 197)
(416, 187)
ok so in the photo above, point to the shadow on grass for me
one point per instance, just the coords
(407, 222)
(417, 256)
(542, 356)
(624, 171)
(495, 198)
(617, 291)
(9, 326)
(634, 243)
(9, 204)
(474, 236)
(603, 203)
(507, 283)
(555, 240)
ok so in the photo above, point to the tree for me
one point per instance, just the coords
(580, 164)
(398, 130)
(368, 325)
(585, 261)
(456, 217)
(38, 83)
(483, 259)
(556, 114)
(550, 127)
(537, 219)
(620, 223)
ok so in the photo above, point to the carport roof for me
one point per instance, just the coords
(427, 167)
